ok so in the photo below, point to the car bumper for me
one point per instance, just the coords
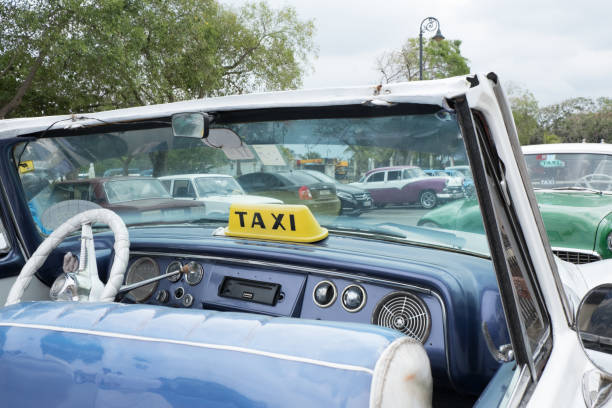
(450, 196)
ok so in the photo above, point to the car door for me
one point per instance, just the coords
(375, 184)
(547, 360)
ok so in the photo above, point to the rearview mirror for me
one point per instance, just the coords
(594, 326)
(190, 124)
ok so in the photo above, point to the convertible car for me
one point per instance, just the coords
(573, 186)
(278, 305)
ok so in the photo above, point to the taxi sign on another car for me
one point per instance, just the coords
(276, 222)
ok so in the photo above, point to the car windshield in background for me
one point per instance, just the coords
(208, 186)
(570, 171)
(359, 176)
(119, 191)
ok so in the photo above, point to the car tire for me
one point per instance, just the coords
(428, 199)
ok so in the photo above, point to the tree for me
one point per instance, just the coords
(578, 119)
(78, 56)
(441, 59)
(526, 112)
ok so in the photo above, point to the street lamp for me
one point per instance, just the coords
(428, 24)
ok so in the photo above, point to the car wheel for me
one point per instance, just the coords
(428, 199)
(381, 205)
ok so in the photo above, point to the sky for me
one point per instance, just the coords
(555, 49)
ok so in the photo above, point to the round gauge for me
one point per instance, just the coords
(353, 298)
(194, 273)
(173, 267)
(142, 269)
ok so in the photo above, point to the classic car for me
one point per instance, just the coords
(294, 187)
(408, 184)
(466, 174)
(573, 187)
(276, 306)
(217, 191)
(353, 200)
(135, 199)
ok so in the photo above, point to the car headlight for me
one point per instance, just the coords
(610, 241)
(344, 195)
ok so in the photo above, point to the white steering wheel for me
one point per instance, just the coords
(98, 292)
(595, 180)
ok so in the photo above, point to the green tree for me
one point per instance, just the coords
(441, 59)
(578, 119)
(526, 112)
(78, 56)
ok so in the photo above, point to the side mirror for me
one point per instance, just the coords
(594, 326)
(190, 124)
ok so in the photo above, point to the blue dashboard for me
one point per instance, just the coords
(456, 291)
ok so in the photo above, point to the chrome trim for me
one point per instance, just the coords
(331, 302)
(517, 392)
(363, 303)
(178, 278)
(325, 272)
(238, 349)
(188, 300)
(578, 251)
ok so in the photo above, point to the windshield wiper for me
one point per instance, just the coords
(363, 232)
(577, 188)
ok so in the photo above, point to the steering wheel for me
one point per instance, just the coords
(99, 292)
(590, 180)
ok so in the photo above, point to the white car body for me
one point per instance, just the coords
(215, 203)
(562, 378)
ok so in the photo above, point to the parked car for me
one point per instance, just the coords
(280, 307)
(353, 200)
(217, 191)
(468, 179)
(136, 199)
(573, 184)
(294, 187)
(408, 184)
(119, 172)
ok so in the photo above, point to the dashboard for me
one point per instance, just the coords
(278, 289)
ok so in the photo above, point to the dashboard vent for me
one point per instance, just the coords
(404, 312)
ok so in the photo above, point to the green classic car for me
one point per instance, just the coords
(573, 187)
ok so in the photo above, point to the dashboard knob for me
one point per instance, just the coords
(188, 300)
(353, 298)
(324, 294)
(162, 296)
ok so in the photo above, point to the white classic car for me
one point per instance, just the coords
(217, 191)
(274, 306)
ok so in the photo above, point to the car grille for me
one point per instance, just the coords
(576, 257)
(363, 197)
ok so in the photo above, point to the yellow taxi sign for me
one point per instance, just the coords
(26, 166)
(278, 222)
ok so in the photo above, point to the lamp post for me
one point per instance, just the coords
(428, 24)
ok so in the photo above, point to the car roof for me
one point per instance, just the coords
(601, 148)
(193, 176)
(391, 168)
(433, 93)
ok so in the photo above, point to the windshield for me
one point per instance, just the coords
(570, 171)
(208, 186)
(396, 201)
(119, 191)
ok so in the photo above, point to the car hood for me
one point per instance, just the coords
(154, 204)
(350, 189)
(589, 205)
